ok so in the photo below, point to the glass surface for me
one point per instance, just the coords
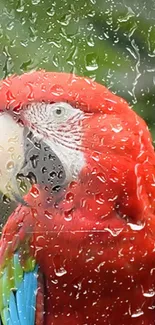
(94, 185)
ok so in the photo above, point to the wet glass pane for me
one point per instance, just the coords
(77, 162)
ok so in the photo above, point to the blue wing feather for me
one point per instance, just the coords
(31, 290)
(20, 304)
(20, 307)
(13, 319)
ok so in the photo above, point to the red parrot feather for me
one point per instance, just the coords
(94, 240)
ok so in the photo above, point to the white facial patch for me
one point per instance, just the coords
(58, 124)
(11, 152)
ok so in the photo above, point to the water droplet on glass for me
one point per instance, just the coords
(65, 19)
(10, 165)
(60, 272)
(117, 129)
(48, 215)
(135, 226)
(114, 232)
(33, 34)
(90, 41)
(10, 26)
(52, 174)
(35, 192)
(138, 313)
(69, 197)
(101, 177)
(11, 149)
(55, 60)
(99, 197)
(68, 215)
(35, 2)
(95, 156)
(20, 6)
(91, 62)
(24, 185)
(60, 174)
(99, 266)
(50, 12)
(149, 294)
(34, 160)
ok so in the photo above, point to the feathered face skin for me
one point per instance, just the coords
(94, 239)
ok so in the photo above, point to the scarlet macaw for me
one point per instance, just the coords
(83, 252)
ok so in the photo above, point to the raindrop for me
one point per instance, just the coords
(135, 226)
(11, 149)
(55, 60)
(99, 266)
(149, 294)
(101, 177)
(23, 185)
(37, 144)
(95, 156)
(138, 313)
(34, 160)
(44, 170)
(6, 199)
(90, 41)
(26, 65)
(52, 174)
(52, 157)
(13, 139)
(35, 2)
(91, 13)
(129, 15)
(69, 197)
(114, 232)
(50, 12)
(10, 165)
(60, 174)
(100, 198)
(48, 215)
(10, 26)
(68, 215)
(33, 34)
(117, 129)
(35, 193)
(32, 177)
(56, 188)
(57, 90)
(65, 19)
(33, 17)
(60, 272)
(20, 6)
(91, 62)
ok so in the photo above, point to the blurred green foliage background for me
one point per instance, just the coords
(107, 40)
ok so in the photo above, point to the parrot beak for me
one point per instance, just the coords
(11, 156)
(26, 156)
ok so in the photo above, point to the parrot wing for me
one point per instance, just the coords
(21, 286)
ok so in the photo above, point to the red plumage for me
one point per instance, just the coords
(95, 243)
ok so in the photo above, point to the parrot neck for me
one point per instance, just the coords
(97, 193)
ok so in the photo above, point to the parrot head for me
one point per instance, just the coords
(91, 136)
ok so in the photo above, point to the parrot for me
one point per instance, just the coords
(79, 248)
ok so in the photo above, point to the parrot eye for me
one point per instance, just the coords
(59, 111)
(62, 112)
